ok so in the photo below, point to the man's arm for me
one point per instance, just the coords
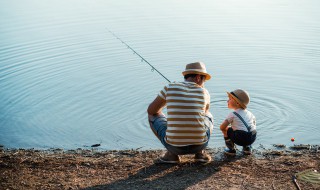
(155, 108)
(207, 108)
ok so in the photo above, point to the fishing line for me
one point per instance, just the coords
(142, 59)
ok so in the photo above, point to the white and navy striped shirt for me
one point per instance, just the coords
(186, 105)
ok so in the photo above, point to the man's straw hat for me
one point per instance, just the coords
(196, 68)
(240, 96)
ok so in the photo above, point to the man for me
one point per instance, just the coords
(188, 125)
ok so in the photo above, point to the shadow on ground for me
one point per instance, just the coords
(166, 176)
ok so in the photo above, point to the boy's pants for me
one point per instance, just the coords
(242, 138)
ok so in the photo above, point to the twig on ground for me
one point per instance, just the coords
(294, 179)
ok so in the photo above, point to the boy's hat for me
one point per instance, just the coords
(240, 96)
(196, 68)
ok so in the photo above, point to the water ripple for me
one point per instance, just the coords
(65, 81)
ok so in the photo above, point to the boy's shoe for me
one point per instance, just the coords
(202, 157)
(230, 152)
(247, 150)
(169, 158)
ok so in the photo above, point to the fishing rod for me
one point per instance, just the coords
(142, 59)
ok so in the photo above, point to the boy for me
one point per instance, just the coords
(243, 123)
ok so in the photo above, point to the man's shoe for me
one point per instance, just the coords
(169, 158)
(202, 157)
(230, 152)
(247, 150)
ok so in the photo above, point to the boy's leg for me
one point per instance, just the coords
(230, 150)
(247, 149)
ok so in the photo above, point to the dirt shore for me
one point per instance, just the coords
(134, 169)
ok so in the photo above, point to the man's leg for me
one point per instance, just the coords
(158, 125)
(202, 156)
(151, 119)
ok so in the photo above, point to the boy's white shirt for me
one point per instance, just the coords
(237, 124)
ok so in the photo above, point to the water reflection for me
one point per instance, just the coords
(66, 82)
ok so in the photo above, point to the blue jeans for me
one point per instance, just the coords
(158, 125)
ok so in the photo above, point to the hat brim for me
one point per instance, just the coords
(208, 77)
(237, 100)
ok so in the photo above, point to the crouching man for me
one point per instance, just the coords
(188, 125)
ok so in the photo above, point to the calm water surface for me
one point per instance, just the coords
(66, 82)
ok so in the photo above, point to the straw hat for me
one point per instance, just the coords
(196, 68)
(240, 96)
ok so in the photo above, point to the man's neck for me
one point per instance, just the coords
(192, 80)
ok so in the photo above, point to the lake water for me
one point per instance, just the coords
(66, 82)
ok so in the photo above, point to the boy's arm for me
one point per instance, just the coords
(224, 125)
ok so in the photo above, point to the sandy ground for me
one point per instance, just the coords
(133, 169)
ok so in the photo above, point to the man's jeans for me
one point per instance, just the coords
(158, 125)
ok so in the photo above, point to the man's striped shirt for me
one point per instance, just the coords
(186, 104)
